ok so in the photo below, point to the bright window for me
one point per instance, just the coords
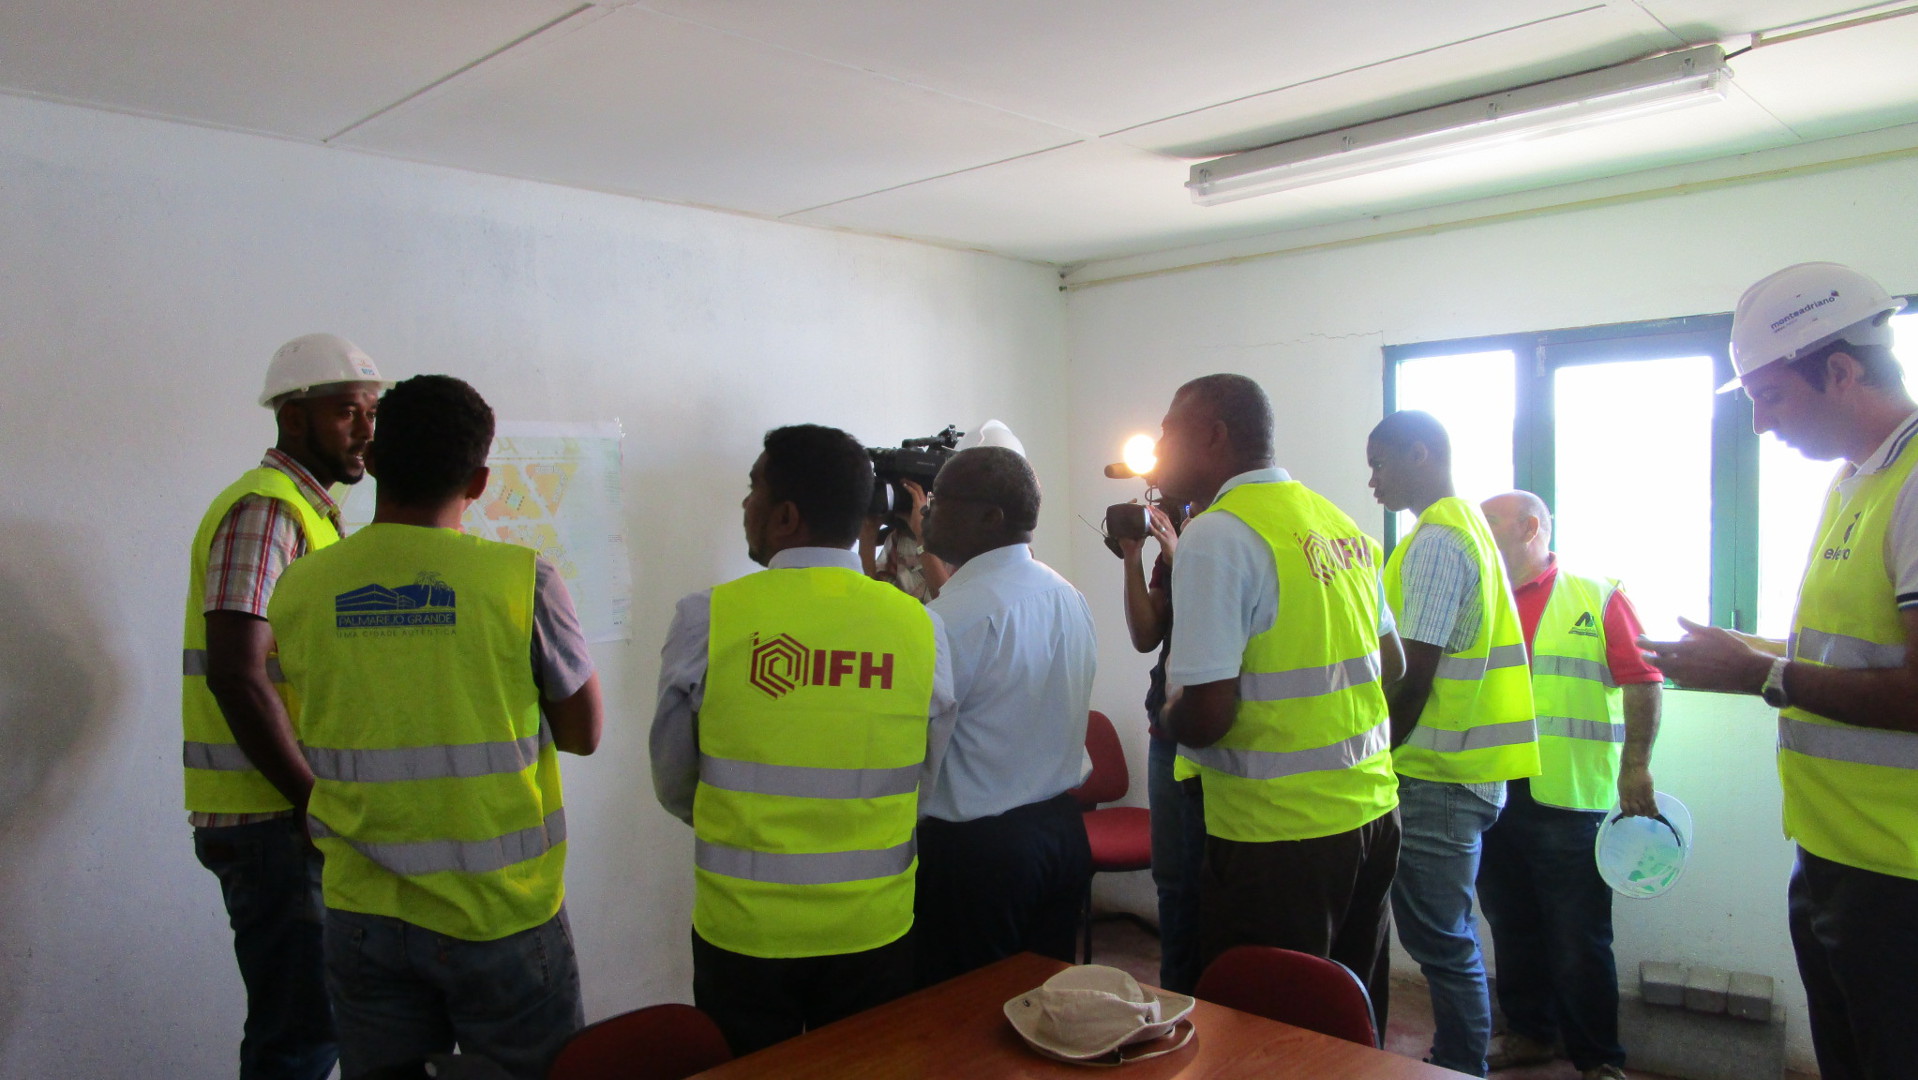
(1473, 396)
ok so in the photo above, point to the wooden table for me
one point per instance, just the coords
(958, 1030)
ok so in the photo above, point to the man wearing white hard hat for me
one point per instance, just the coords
(1812, 347)
(246, 780)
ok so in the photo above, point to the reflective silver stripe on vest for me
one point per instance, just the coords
(803, 868)
(219, 757)
(425, 762)
(1309, 682)
(757, 778)
(193, 662)
(1484, 737)
(1274, 764)
(1464, 668)
(1572, 727)
(1573, 667)
(1839, 650)
(1859, 745)
(416, 857)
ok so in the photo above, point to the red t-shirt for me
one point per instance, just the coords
(1621, 628)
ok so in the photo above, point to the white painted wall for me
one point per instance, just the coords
(1310, 327)
(147, 271)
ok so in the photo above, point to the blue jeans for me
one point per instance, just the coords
(1178, 850)
(1551, 920)
(270, 880)
(402, 992)
(1432, 902)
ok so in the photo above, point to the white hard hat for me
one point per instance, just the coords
(994, 433)
(312, 360)
(1805, 307)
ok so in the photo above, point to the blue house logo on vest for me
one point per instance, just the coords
(780, 664)
(427, 602)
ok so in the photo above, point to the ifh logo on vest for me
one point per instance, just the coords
(1326, 556)
(782, 664)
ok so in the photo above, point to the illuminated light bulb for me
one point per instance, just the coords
(1139, 454)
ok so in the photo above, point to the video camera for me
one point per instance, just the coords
(918, 460)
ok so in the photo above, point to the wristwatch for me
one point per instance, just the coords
(1774, 689)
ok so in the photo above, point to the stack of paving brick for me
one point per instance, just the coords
(1704, 1023)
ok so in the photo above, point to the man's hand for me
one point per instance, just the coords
(1635, 792)
(916, 517)
(1708, 658)
(1162, 531)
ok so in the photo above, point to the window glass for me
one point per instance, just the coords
(1473, 395)
(1791, 498)
(1633, 451)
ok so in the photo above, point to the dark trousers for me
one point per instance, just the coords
(1551, 920)
(1178, 853)
(1327, 896)
(758, 1001)
(1856, 935)
(270, 880)
(995, 886)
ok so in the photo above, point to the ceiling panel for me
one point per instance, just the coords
(1733, 17)
(291, 67)
(1859, 79)
(1100, 200)
(1101, 65)
(651, 105)
(1566, 45)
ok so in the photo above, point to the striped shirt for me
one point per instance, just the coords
(251, 547)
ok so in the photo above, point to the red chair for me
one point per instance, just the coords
(1291, 987)
(1120, 836)
(660, 1042)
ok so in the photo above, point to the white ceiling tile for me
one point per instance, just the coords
(1703, 19)
(1859, 79)
(1588, 39)
(283, 66)
(1101, 65)
(652, 105)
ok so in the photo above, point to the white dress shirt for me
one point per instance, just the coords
(682, 687)
(1023, 655)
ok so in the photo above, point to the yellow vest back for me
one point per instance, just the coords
(812, 735)
(1308, 753)
(436, 795)
(1477, 725)
(219, 778)
(1851, 793)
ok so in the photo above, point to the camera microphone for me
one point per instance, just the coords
(1119, 470)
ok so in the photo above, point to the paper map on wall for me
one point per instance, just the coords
(555, 488)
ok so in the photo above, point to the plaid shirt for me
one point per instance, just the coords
(251, 548)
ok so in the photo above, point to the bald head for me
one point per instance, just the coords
(1522, 527)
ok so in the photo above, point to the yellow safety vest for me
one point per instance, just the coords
(219, 778)
(1477, 725)
(1309, 751)
(811, 738)
(436, 791)
(1581, 725)
(1851, 793)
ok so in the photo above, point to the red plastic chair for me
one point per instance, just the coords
(659, 1042)
(1293, 988)
(1120, 836)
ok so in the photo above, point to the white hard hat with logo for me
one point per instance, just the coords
(1805, 307)
(314, 360)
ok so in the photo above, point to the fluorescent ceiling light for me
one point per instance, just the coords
(1640, 88)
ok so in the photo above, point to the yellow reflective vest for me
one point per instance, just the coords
(812, 734)
(1477, 725)
(436, 793)
(1851, 793)
(1581, 725)
(219, 778)
(1308, 753)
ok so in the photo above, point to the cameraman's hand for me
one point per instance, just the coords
(1162, 531)
(1129, 550)
(916, 519)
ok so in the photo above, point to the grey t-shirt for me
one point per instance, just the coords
(561, 664)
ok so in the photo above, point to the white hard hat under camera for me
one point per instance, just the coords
(313, 360)
(1805, 307)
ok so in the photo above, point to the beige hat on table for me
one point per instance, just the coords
(1089, 1012)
